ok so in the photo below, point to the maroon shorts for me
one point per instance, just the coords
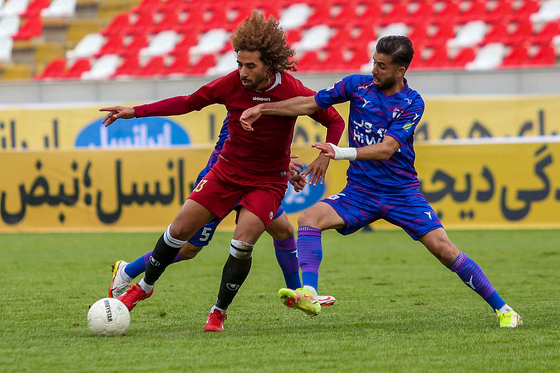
(224, 187)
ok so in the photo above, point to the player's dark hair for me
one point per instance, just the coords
(257, 34)
(398, 47)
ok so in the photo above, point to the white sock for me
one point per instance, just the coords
(125, 275)
(223, 312)
(311, 289)
(505, 309)
(147, 288)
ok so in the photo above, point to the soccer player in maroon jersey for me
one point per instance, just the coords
(253, 167)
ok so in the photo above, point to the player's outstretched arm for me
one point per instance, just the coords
(116, 112)
(377, 152)
(318, 169)
(291, 107)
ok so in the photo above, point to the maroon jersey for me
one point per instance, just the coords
(266, 150)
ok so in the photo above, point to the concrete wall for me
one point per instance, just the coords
(432, 83)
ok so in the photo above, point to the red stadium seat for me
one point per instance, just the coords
(321, 16)
(170, 6)
(398, 13)
(497, 34)
(130, 66)
(293, 36)
(439, 58)
(463, 57)
(371, 16)
(423, 14)
(517, 56)
(169, 21)
(418, 35)
(117, 26)
(218, 19)
(523, 32)
(154, 67)
(201, 66)
(447, 15)
(80, 66)
(309, 61)
(341, 37)
(113, 45)
(500, 13)
(179, 66)
(334, 61)
(527, 8)
(545, 56)
(183, 46)
(193, 22)
(34, 8)
(346, 16)
(146, 6)
(367, 33)
(54, 70)
(545, 35)
(444, 32)
(475, 12)
(142, 25)
(31, 28)
(134, 46)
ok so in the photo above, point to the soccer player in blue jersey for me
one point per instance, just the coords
(382, 181)
(280, 229)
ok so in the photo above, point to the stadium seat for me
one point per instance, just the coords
(293, 36)
(422, 15)
(498, 33)
(367, 33)
(13, 8)
(545, 56)
(128, 67)
(6, 47)
(241, 11)
(179, 67)
(468, 35)
(135, 45)
(548, 11)
(226, 64)
(270, 8)
(501, 12)
(76, 70)
(146, 6)
(517, 56)
(462, 57)
(309, 61)
(211, 42)
(439, 58)
(103, 68)
(341, 36)
(295, 16)
(31, 28)
(398, 28)
(168, 21)
(488, 57)
(546, 33)
(167, 6)
(447, 15)
(142, 25)
(315, 38)
(60, 8)
(522, 32)
(443, 33)
(397, 13)
(524, 11)
(35, 7)
(111, 45)
(201, 66)
(117, 26)
(371, 15)
(9, 26)
(54, 70)
(184, 44)
(218, 19)
(163, 43)
(476, 11)
(346, 16)
(154, 67)
(88, 46)
(418, 35)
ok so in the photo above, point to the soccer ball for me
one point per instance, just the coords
(108, 317)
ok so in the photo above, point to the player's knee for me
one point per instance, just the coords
(307, 219)
(240, 249)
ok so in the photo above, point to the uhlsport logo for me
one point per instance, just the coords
(295, 202)
(137, 132)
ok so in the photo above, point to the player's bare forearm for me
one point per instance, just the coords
(377, 152)
(116, 112)
(291, 107)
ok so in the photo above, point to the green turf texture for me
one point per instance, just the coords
(398, 309)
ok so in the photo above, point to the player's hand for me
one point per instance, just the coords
(318, 169)
(326, 149)
(298, 181)
(295, 166)
(249, 116)
(116, 112)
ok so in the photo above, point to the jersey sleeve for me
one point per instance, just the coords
(339, 92)
(208, 94)
(405, 124)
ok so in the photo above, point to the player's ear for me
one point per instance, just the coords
(401, 71)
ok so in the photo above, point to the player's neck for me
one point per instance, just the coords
(270, 78)
(394, 89)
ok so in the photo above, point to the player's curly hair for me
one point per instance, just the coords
(266, 37)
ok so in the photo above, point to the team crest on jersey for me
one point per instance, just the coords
(397, 112)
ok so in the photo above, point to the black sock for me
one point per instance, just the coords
(162, 256)
(234, 274)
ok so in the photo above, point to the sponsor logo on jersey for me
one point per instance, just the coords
(261, 98)
(136, 132)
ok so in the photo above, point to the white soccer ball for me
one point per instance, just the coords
(108, 317)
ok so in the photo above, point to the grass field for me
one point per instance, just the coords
(398, 309)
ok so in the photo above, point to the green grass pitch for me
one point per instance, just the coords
(397, 310)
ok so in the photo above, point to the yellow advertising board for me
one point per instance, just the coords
(492, 185)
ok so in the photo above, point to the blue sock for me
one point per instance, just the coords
(474, 278)
(137, 267)
(310, 253)
(286, 254)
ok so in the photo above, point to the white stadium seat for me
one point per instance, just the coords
(488, 57)
(315, 38)
(6, 47)
(13, 8)
(87, 47)
(211, 42)
(294, 16)
(161, 44)
(9, 26)
(60, 8)
(103, 68)
(469, 35)
(548, 12)
(226, 64)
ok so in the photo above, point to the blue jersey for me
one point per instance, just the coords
(373, 116)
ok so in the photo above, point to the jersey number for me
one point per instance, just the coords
(200, 185)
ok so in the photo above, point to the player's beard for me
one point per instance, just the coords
(254, 83)
(387, 83)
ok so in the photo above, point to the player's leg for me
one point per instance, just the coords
(439, 244)
(237, 267)
(312, 222)
(190, 218)
(282, 232)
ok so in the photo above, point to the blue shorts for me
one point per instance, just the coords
(205, 234)
(408, 209)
